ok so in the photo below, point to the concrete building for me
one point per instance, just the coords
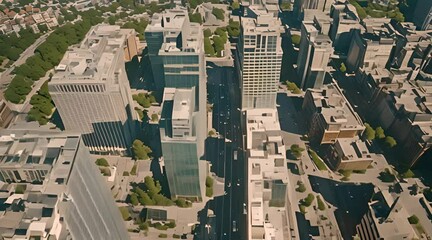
(54, 190)
(301, 5)
(349, 154)
(422, 17)
(321, 20)
(269, 209)
(386, 219)
(408, 41)
(260, 59)
(176, 50)
(91, 91)
(330, 116)
(371, 49)
(6, 114)
(314, 56)
(345, 20)
(405, 115)
(371, 82)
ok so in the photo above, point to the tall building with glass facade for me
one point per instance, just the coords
(64, 194)
(260, 56)
(177, 57)
(91, 91)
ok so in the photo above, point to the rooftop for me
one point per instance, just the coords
(97, 58)
(334, 107)
(353, 149)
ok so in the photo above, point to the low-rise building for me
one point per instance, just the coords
(348, 154)
(386, 219)
(405, 114)
(330, 116)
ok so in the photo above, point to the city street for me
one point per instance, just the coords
(224, 93)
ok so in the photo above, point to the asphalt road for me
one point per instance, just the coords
(225, 96)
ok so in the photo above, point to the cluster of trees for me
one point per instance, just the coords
(48, 55)
(219, 38)
(42, 106)
(219, 13)
(209, 186)
(315, 158)
(292, 87)
(233, 28)
(144, 99)
(11, 46)
(141, 151)
(139, 26)
(378, 11)
(150, 195)
(378, 133)
(196, 17)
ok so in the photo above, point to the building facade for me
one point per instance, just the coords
(314, 56)
(330, 116)
(91, 91)
(54, 176)
(176, 49)
(260, 59)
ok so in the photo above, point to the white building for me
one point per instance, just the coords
(54, 190)
(268, 197)
(91, 91)
(260, 59)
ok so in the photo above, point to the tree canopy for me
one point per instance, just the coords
(141, 151)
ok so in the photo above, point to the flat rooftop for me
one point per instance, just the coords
(96, 59)
(335, 108)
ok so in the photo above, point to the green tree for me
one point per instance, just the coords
(195, 17)
(235, 5)
(233, 28)
(295, 39)
(321, 205)
(369, 132)
(208, 47)
(379, 133)
(390, 142)
(207, 33)
(285, 6)
(154, 117)
(413, 219)
(301, 187)
(308, 200)
(102, 162)
(125, 213)
(296, 150)
(134, 199)
(141, 151)
(219, 13)
(343, 68)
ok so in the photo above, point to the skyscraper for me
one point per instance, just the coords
(260, 59)
(91, 91)
(64, 194)
(314, 56)
(176, 50)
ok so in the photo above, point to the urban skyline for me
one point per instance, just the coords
(204, 120)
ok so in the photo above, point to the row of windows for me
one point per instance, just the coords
(80, 88)
(30, 175)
